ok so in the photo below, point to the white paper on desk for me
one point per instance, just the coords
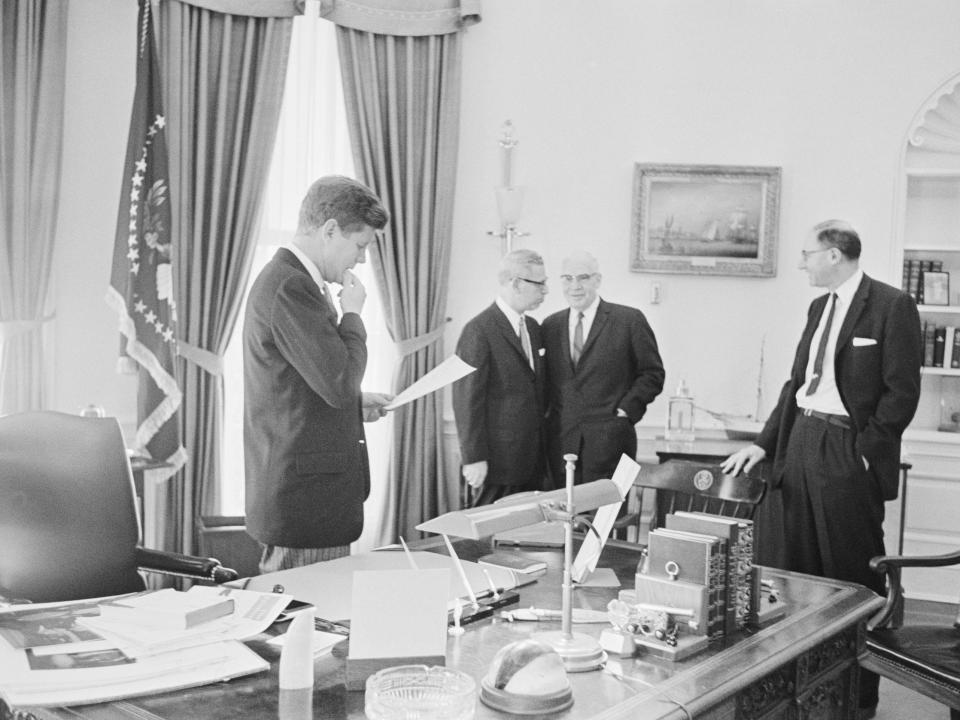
(586, 560)
(447, 372)
(399, 613)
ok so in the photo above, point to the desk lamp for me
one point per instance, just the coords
(578, 651)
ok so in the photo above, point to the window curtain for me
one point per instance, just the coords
(401, 76)
(33, 41)
(223, 65)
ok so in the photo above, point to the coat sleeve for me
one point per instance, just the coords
(900, 375)
(470, 395)
(330, 357)
(647, 367)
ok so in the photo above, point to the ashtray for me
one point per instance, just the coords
(418, 692)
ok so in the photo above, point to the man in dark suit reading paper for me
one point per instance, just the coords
(307, 473)
(499, 408)
(834, 436)
(603, 370)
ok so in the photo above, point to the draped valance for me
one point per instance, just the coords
(251, 8)
(402, 17)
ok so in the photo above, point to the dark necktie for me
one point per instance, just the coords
(525, 342)
(822, 348)
(577, 340)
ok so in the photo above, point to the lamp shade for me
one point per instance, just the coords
(520, 510)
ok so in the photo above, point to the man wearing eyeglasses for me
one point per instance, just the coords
(499, 408)
(834, 436)
(603, 370)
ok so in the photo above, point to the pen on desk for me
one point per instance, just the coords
(494, 593)
(463, 573)
(330, 626)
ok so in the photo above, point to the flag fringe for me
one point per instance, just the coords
(145, 357)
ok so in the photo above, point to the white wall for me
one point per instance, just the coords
(824, 89)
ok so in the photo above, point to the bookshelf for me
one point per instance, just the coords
(930, 241)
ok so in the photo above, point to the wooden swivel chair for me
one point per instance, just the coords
(924, 658)
(690, 486)
(69, 527)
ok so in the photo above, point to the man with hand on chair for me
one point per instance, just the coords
(835, 434)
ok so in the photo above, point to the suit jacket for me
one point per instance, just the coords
(305, 454)
(877, 367)
(620, 367)
(499, 408)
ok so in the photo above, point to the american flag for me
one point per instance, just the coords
(141, 284)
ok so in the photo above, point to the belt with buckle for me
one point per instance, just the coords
(838, 420)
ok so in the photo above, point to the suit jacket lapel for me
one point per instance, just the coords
(857, 305)
(510, 334)
(803, 349)
(599, 320)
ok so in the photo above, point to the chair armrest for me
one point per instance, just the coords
(190, 566)
(891, 565)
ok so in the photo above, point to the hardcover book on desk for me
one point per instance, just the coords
(738, 536)
(694, 558)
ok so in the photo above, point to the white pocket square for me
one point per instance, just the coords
(541, 352)
(863, 342)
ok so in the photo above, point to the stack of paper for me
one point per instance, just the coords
(71, 653)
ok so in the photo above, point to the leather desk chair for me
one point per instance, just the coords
(69, 528)
(692, 487)
(924, 658)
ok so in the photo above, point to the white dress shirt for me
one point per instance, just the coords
(826, 398)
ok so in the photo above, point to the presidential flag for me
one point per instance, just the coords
(141, 284)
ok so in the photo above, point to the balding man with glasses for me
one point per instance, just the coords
(499, 408)
(603, 370)
(834, 436)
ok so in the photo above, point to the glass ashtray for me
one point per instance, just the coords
(418, 692)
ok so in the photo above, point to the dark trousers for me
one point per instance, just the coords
(598, 452)
(832, 513)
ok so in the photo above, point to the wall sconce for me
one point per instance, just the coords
(509, 196)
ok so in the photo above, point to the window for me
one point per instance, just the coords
(312, 140)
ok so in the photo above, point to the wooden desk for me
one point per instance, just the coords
(801, 666)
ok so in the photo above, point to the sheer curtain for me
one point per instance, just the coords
(33, 40)
(312, 140)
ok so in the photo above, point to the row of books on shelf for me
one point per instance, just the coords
(913, 280)
(941, 346)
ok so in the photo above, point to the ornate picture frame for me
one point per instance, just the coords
(705, 219)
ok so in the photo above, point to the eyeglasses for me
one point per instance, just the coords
(538, 283)
(569, 279)
(807, 253)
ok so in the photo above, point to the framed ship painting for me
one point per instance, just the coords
(705, 219)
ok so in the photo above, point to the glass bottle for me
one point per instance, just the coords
(680, 415)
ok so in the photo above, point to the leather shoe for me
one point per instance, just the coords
(865, 713)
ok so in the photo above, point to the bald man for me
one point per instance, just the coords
(499, 408)
(603, 370)
(835, 434)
